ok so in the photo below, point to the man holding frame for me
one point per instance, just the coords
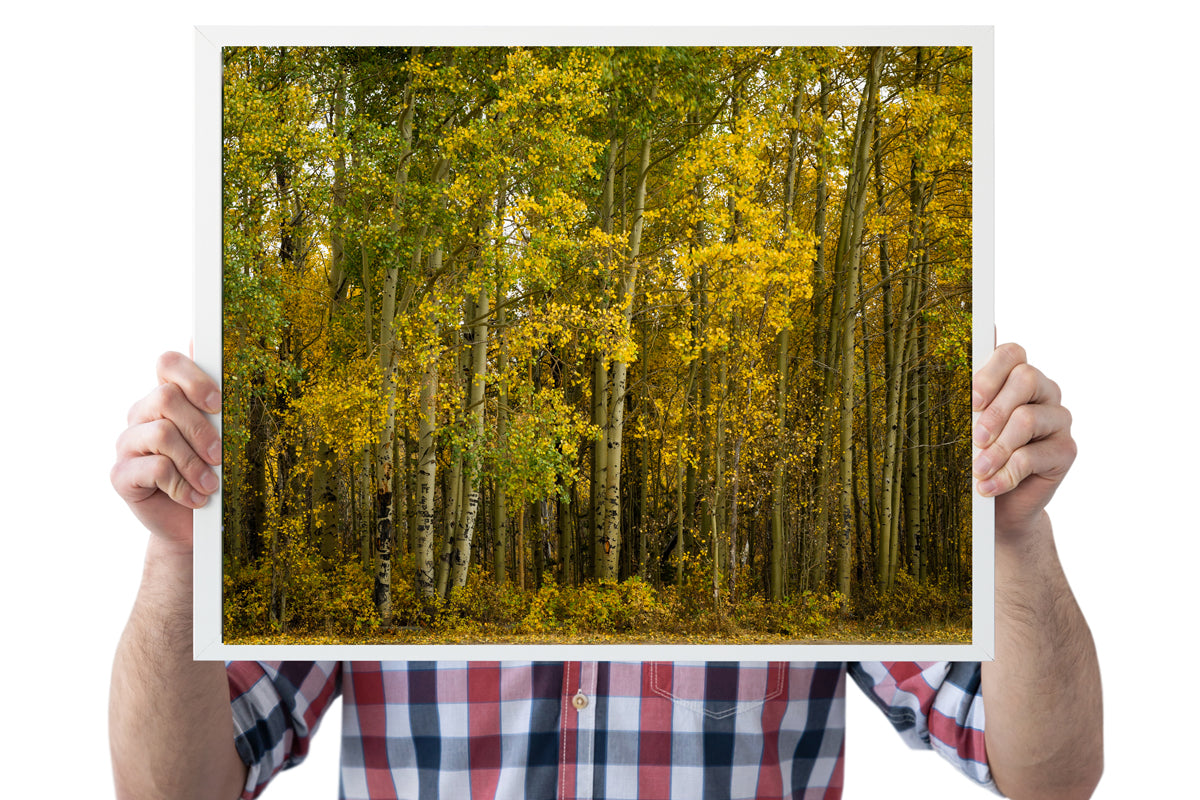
(171, 719)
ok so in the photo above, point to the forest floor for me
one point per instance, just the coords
(843, 633)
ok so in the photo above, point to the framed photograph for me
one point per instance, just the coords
(592, 344)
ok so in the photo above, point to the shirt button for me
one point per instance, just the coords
(580, 700)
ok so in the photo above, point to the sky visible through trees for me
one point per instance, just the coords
(651, 342)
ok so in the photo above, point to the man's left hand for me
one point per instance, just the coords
(1024, 434)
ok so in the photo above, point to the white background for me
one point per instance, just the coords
(1096, 276)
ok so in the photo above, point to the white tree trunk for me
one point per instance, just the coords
(608, 553)
(461, 555)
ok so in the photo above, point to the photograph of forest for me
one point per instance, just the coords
(597, 345)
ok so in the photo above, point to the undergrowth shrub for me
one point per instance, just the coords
(350, 604)
(246, 600)
(301, 594)
(805, 614)
(314, 598)
(486, 602)
(591, 608)
(912, 604)
(694, 596)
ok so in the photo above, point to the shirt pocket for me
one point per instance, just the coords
(718, 690)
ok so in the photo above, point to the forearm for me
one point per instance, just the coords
(170, 723)
(1044, 729)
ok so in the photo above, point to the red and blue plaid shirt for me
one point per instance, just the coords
(574, 730)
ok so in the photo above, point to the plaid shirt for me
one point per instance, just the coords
(575, 730)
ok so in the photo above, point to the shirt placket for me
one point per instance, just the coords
(578, 749)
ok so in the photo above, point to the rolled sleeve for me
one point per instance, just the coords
(933, 705)
(277, 706)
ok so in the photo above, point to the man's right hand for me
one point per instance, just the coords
(165, 456)
(170, 722)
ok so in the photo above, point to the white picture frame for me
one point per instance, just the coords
(209, 41)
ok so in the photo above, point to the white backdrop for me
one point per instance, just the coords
(1096, 272)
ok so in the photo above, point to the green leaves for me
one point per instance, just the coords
(539, 448)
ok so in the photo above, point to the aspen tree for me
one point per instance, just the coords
(609, 546)
(848, 257)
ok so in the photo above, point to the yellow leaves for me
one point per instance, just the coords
(558, 324)
(625, 350)
(723, 265)
(343, 406)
